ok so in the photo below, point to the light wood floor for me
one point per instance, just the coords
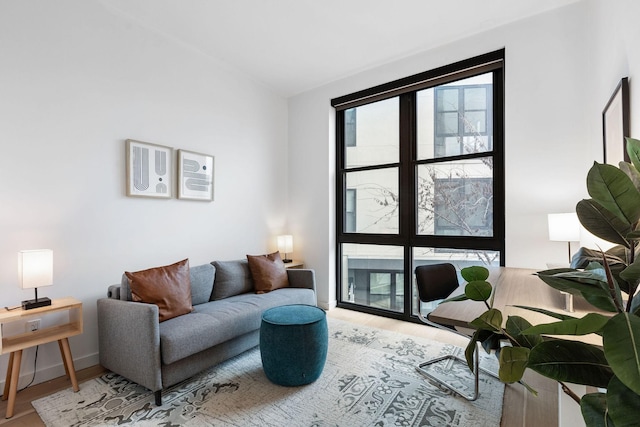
(520, 407)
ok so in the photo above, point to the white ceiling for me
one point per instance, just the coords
(296, 45)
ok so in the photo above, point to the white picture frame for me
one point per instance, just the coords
(195, 176)
(149, 170)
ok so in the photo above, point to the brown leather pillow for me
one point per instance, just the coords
(168, 287)
(268, 272)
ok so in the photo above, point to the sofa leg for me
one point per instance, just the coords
(158, 395)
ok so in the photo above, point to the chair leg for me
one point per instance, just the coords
(158, 395)
(476, 376)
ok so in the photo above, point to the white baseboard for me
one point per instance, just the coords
(327, 306)
(54, 371)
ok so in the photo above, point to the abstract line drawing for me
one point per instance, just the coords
(141, 168)
(148, 169)
(195, 176)
(161, 171)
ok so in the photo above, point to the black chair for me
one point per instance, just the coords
(436, 282)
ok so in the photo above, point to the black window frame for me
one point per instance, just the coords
(408, 237)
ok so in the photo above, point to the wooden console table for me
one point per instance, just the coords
(14, 344)
(519, 286)
(516, 286)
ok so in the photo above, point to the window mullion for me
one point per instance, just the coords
(407, 188)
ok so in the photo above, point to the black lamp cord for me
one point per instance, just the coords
(35, 361)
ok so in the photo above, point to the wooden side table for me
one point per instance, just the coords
(14, 344)
(294, 264)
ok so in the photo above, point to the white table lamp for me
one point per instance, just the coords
(564, 227)
(35, 269)
(285, 245)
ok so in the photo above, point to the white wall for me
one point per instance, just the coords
(548, 137)
(614, 36)
(76, 80)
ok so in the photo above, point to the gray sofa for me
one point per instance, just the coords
(224, 323)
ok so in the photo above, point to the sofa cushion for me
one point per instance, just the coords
(168, 287)
(218, 321)
(268, 272)
(201, 277)
(232, 278)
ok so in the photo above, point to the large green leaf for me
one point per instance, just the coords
(585, 256)
(615, 258)
(470, 351)
(631, 172)
(461, 297)
(478, 290)
(475, 272)
(602, 222)
(623, 404)
(571, 361)
(513, 362)
(635, 305)
(614, 288)
(595, 291)
(594, 410)
(547, 312)
(489, 340)
(621, 342)
(592, 323)
(613, 189)
(489, 320)
(514, 327)
(631, 275)
(633, 150)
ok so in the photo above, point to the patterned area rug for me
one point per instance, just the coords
(369, 380)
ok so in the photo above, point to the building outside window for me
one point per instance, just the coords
(420, 180)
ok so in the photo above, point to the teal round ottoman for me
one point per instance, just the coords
(293, 344)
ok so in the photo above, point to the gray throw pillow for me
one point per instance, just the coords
(201, 283)
(232, 278)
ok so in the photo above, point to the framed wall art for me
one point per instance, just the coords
(149, 169)
(615, 124)
(195, 176)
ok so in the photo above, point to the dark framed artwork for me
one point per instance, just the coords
(615, 124)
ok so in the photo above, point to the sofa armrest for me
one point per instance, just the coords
(113, 292)
(129, 341)
(302, 278)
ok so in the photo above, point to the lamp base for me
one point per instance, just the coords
(287, 260)
(35, 303)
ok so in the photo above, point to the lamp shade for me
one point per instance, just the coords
(564, 227)
(35, 268)
(285, 243)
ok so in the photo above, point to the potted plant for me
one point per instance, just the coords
(606, 280)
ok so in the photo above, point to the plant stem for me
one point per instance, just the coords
(632, 286)
(569, 392)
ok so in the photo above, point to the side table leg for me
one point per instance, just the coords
(68, 362)
(5, 394)
(64, 361)
(15, 375)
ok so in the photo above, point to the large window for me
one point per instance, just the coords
(420, 180)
